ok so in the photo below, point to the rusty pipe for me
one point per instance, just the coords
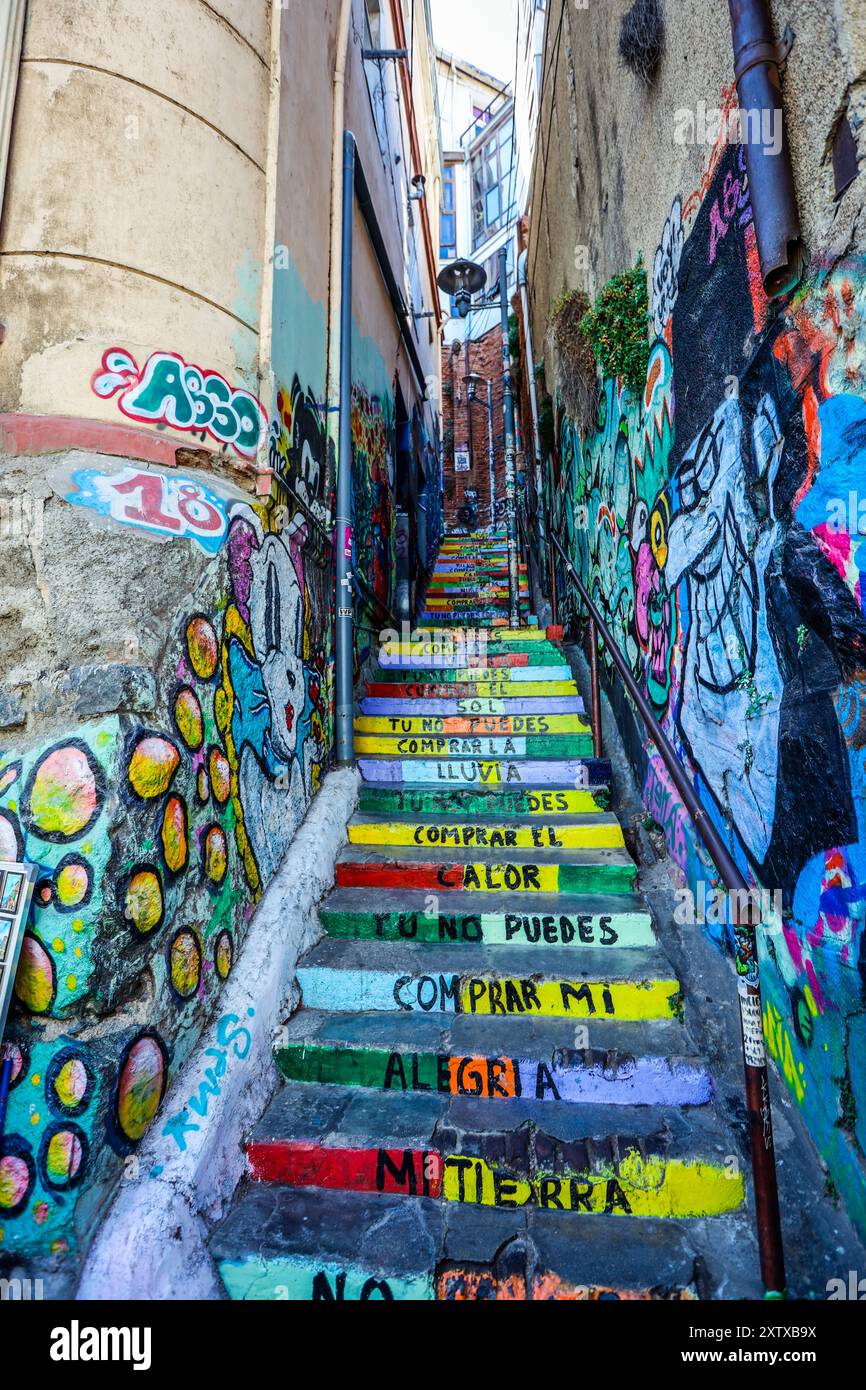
(768, 154)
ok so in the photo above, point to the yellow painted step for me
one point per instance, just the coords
(606, 835)
(471, 725)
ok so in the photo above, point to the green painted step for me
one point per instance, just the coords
(543, 922)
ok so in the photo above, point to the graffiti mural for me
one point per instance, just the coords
(717, 522)
(374, 445)
(152, 843)
(167, 390)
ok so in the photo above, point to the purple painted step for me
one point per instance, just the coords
(476, 704)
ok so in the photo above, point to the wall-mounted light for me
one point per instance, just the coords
(419, 184)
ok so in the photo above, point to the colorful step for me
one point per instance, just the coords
(503, 675)
(579, 1078)
(542, 923)
(479, 801)
(470, 726)
(470, 706)
(488, 871)
(451, 689)
(477, 746)
(549, 772)
(591, 832)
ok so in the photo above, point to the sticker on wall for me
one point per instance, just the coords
(169, 506)
(170, 391)
(461, 460)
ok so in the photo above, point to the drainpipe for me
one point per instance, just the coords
(771, 177)
(266, 382)
(345, 607)
(338, 121)
(533, 402)
(491, 455)
(11, 38)
(510, 482)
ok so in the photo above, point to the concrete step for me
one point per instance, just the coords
(599, 831)
(281, 1243)
(487, 871)
(627, 1161)
(472, 725)
(470, 706)
(503, 675)
(447, 655)
(506, 981)
(475, 746)
(495, 1058)
(571, 774)
(522, 638)
(606, 921)
(474, 801)
(484, 690)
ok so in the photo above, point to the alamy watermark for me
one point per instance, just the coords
(705, 125)
(739, 907)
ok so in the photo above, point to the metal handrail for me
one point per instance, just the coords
(749, 987)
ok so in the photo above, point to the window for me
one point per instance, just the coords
(493, 184)
(481, 117)
(374, 23)
(448, 219)
(491, 265)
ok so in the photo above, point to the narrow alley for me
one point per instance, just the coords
(433, 649)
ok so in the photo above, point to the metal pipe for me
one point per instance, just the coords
(768, 155)
(596, 689)
(749, 987)
(554, 588)
(510, 485)
(533, 405)
(491, 454)
(338, 121)
(345, 605)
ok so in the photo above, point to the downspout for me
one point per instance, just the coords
(491, 455)
(338, 121)
(533, 402)
(11, 39)
(267, 384)
(768, 162)
(415, 146)
(344, 730)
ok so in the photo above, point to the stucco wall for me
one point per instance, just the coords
(166, 634)
(715, 517)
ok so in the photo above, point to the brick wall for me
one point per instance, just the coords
(466, 426)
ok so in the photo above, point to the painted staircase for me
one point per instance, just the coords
(490, 1090)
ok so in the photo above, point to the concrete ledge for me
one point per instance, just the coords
(152, 1241)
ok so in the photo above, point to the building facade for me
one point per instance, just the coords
(170, 297)
(484, 189)
(712, 506)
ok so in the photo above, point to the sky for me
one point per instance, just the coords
(483, 31)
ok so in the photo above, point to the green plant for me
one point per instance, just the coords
(616, 327)
(802, 636)
(576, 374)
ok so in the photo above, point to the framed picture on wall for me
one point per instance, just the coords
(16, 892)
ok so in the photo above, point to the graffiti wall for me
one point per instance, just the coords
(717, 523)
(154, 840)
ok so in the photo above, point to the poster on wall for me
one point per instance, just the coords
(16, 891)
(461, 460)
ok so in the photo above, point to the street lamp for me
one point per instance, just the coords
(461, 280)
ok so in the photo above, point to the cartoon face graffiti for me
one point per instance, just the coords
(276, 614)
(720, 547)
